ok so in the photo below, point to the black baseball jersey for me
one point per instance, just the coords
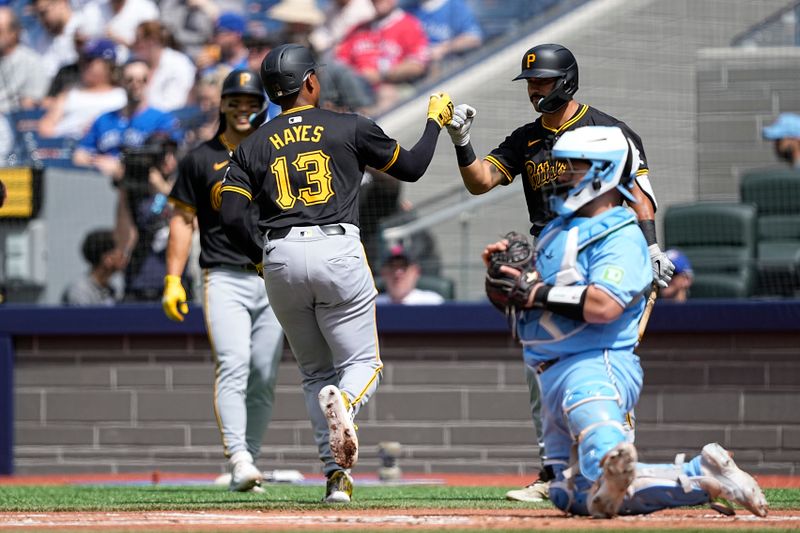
(304, 167)
(527, 151)
(198, 189)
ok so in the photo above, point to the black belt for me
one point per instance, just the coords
(244, 268)
(541, 367)
(330, 229)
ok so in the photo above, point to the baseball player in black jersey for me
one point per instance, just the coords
(304, 168)
(551, 73)
(245, 336)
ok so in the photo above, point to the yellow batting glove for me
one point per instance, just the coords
(440, 109)
(260, 270)
(174, 299)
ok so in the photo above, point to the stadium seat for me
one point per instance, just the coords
(720, 241)
(776, 195)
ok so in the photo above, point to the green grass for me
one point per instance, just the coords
(277, 498)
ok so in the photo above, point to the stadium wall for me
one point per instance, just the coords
(124, 390)
(739, 91)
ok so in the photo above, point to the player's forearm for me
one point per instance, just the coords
(645, 213)
(412, 164)
(179, 244)
(586, 303)
(477, 176)
(232, 215)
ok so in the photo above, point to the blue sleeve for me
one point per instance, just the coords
(465, 21)
(168, 123)
(89, 141)
(620, 265)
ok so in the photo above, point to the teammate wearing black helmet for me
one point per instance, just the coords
(551, 74)
(304, 170)
(245, 336)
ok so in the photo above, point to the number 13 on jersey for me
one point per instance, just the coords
(315, 166)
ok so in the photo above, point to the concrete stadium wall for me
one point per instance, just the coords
(739, 91)
(456, 401)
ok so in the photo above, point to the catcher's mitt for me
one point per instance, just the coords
(507, 290)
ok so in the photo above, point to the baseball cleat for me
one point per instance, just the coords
(244, 474)
(619, 471)
(342, 431)
(339, 488)
(723, 479)
(538, 491)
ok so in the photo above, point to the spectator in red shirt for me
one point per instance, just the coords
(390, 51)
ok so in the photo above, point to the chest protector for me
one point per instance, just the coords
(557, 252)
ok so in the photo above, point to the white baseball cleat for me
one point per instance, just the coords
(537, 491)
(723, 479)
(619, 471)
(339, 488)
(343, 439)
(244, 474)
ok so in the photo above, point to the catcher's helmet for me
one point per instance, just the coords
(285, 68)
(243, 81)
(613, 163)
(552, 61)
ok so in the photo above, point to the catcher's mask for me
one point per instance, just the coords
(604, 158)
(551, 61)
(285, 68)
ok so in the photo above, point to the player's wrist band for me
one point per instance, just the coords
(465, 155)
(566, 301)
(648, 228)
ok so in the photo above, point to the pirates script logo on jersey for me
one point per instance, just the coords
(540, 174)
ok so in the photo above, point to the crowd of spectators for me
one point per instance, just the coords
(98, 78)
(64, 58)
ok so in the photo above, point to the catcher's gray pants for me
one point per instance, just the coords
(247, 342)
(324, 297)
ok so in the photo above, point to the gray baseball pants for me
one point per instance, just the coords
(247, 342)
(323, 294)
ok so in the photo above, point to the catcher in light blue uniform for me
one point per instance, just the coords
(576, 309)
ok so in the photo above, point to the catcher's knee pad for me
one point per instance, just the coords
(596, 422)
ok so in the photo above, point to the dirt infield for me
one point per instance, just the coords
(395, 519)
(418, 519)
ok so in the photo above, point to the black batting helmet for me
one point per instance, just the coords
(243, 81)
(285, 68)
(552, 61)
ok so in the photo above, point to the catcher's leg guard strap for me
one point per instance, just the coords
(656, 487)
(663, 486)
(596, 421)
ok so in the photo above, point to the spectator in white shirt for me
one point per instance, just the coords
(172, 73)
(57, 43)
(122, 17)
(400, 274)
(74, 110)
(23, 85)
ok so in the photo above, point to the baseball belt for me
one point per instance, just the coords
(229, 266)
(330, 229)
